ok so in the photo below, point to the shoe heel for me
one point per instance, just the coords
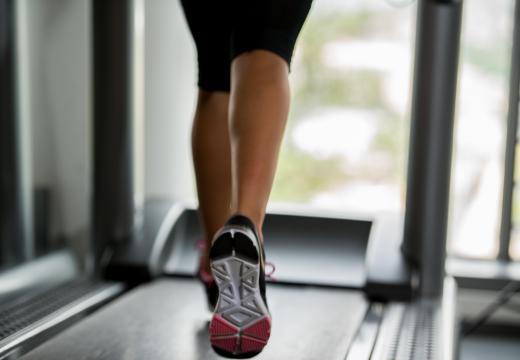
(240, 325)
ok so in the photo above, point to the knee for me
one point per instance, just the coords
(214, 98)
(261, 65)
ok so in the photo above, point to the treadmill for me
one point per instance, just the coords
(346, 287)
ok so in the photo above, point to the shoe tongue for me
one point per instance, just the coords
(242, 220)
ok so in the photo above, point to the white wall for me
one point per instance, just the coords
(170, 100)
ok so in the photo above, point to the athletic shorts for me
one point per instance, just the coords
(224, 29)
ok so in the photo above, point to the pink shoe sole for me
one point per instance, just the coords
(232, 339)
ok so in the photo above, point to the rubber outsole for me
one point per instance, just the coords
(241, 324)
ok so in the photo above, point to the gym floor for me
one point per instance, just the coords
(485, 347)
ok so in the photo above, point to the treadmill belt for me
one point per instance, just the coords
(168, 320)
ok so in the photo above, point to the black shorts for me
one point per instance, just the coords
(224, 29)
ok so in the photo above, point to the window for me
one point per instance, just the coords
(346, 142)
(345, 146)
(478, 166)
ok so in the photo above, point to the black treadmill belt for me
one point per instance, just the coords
(168, 320)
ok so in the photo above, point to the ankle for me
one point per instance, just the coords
(255, 220)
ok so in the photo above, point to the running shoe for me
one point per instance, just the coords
(241, 323)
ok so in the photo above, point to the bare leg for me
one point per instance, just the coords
(212, 161)
(259, 108)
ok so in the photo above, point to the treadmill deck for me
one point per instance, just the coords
(168, 319)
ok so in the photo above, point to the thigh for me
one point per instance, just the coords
(209, 22)
(268, 24)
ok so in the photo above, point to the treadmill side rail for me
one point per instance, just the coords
(449, 329)
(365, 339)
(41, 315)
(425, 329)
(389, 276)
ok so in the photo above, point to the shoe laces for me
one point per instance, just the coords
(269, 275)
(200, 244)
(203, 274)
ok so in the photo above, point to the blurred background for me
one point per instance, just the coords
(346, 142)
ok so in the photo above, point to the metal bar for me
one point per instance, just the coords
(88, 297)
(15, 241)
(511, 140)
(431, 137)
(113, 202)
(363, 343)
(48, 270)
